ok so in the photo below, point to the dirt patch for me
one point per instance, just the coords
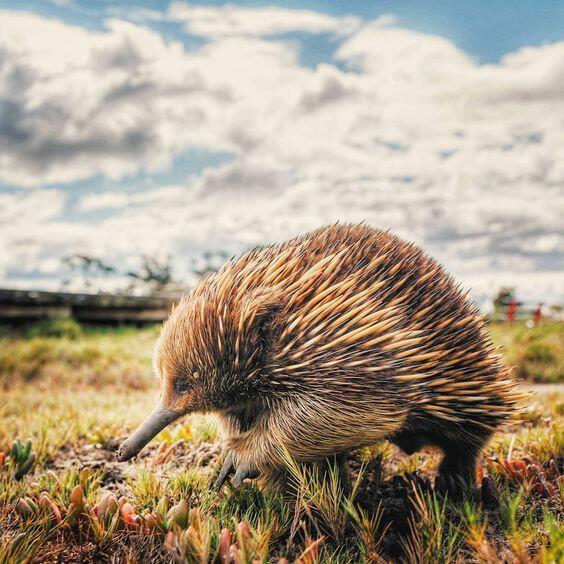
(113, 474)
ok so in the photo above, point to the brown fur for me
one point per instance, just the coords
(333, 341)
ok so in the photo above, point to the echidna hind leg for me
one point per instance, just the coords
(457, 472)
(458, 469)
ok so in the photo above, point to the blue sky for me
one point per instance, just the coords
(486, 29)
(167, 128)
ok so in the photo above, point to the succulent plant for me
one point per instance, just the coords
(26, 507)
(177, 516)
(225, 546)
(128, 515)
(46, 504)
(16, 545)
(77, 506)
(251, 546)
(243, 550)
(107, 508)
(105, 517)
(536, 479)
(22, 459)
(156, 521)
(194, 543)
(152, 525)
(163, 506)
(203, 542)
(111, 514)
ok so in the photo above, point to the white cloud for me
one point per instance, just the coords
(231, 20)
(105, 200)
(466, 159)
(25, 218)
(116, 102)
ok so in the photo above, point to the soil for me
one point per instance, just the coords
(114, 474)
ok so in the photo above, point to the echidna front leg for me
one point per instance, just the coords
(229, 466)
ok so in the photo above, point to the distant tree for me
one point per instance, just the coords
(503, 297)
(157, 273)
(88, 266)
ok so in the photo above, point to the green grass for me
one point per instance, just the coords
(76, 394)
(537, 353)
(55, 327)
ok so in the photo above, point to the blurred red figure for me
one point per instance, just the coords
(537, 315)
(511, 313)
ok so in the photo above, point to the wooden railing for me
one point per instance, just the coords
(28, 305)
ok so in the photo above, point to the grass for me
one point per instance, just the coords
(75, 392)
(117, 358)
(536, 353)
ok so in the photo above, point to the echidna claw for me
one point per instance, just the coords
(240, 475)
(226, 469)
(455, 486)
(447, 484)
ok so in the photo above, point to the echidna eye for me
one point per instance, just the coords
(181, 386)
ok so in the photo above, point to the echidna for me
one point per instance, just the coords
(326, 343)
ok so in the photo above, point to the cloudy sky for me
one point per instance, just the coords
(130, 128)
